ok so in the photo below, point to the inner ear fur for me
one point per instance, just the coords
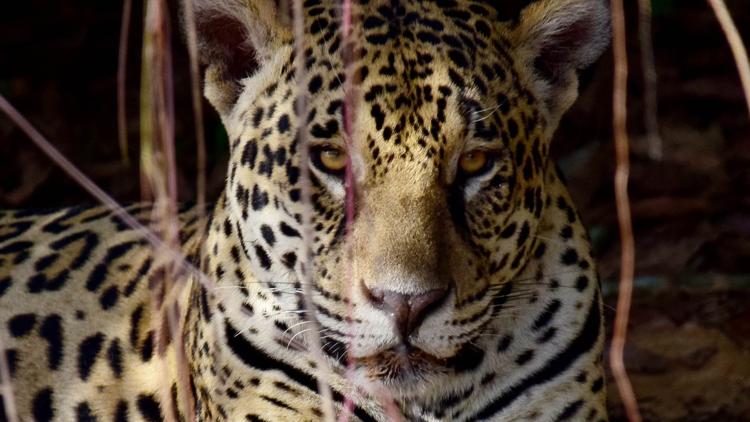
(556, 39)
(235, 39)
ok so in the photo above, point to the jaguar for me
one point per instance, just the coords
(393, 241)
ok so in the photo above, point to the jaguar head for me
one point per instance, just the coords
(396, 166)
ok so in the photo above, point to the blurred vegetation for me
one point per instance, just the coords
(662, 7)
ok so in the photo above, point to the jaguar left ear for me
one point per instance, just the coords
(555, 39)
(236, 38)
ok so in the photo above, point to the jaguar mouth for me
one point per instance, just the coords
(405, 366)
(400, 365)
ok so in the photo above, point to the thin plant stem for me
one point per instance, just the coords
(200, 136)
(349, 112)
(307, 235)
(735, 43)
(627, 243)
(122, 68)
(650, 81)
(160, 168)
(348, 117)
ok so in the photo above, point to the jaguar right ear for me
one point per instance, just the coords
(235, 39)
(557, 38)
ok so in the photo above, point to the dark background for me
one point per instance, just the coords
(689, 348)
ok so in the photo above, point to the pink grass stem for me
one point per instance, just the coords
(622, 172)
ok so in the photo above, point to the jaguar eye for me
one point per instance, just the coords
(329, 158)
(473, 163)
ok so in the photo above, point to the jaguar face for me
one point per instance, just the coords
(408, 189)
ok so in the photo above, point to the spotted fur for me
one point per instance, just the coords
(515, 332)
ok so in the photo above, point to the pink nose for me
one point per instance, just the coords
(407, 310)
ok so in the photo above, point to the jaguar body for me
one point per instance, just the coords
(393, 241)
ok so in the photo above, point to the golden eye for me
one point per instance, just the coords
(332, 159)
(473, 162)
